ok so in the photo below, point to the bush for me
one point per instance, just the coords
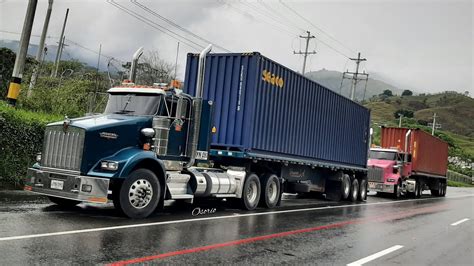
(21, 137)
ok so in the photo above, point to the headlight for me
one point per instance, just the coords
(107, 165)
(38, 157)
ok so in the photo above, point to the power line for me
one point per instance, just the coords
(70, 42)
(154, 13)
(244, 13)
(157, 26)
(318, 28)
(279, 15)
(263, 13)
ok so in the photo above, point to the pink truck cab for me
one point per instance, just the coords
(388, 169)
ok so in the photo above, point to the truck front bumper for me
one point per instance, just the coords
(68, 186)
(381, 187)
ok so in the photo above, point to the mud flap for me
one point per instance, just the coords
(333, 190)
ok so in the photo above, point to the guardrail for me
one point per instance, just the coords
(453, 176)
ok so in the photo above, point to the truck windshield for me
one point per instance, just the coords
(383, 155)
(133, 104)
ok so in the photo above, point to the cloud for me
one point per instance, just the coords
(424, 45)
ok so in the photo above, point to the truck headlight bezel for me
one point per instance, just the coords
(109, 165)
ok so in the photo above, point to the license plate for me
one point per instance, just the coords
(57, 184)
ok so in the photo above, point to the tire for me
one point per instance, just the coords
(363, 190)
(418, 189)
(139, 194)
(345, 187)
(436, 191)
(63, 202)
(445, 187)
(250, 193)
(397, 190)
(270, 192)
(354, 195)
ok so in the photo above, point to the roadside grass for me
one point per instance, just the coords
(458, 184)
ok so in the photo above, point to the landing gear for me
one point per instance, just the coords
(139, 194)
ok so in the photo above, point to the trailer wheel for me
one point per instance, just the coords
(445, 186)
(345, 186)
(363, 190)
(250, 193)
(139, 194)
(270, 192)
(354, 190)
(63, 202)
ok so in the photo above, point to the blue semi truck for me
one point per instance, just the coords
(244, 128)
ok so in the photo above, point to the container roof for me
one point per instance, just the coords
(137, 89)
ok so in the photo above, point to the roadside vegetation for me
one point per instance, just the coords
(458, 184)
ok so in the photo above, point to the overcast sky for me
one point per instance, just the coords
(424, 45)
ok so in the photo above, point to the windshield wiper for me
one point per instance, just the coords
(124, 111)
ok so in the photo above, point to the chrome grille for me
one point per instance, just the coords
(375, 174)
(61, 149)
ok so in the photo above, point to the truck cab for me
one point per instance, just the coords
(388, 169)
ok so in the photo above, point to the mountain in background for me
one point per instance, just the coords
(332, 80)
(33, 49)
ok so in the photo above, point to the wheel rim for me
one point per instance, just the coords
(346, 186)
(272, 191)
(252, 191)
(354, 190)
(140, 193)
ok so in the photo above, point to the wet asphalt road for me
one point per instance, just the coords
(302, 231)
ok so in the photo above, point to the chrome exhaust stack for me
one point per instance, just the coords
(133, 67)
(407, 135)
(197, 106)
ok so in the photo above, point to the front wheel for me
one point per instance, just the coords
(63, 202)
(139, 194)
(398, 190)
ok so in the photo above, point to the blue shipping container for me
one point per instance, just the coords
(265, 109)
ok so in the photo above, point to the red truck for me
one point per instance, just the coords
(408, 162)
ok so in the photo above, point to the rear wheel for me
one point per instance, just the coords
(345, 187)
(250, 193)
(354, 190)
(418, 189)
(63, 202)
(139, 194)
(445, 186)
(437, 190)
(270, 191)
(363, 190)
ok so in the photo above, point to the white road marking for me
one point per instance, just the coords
(375, 256)
(80, 231)
(460, 221)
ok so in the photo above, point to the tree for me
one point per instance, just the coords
(152, 69)
(407, 93)
(405, 113)
(7, 61)
(386, 93)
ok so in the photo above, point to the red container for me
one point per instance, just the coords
(429, 153)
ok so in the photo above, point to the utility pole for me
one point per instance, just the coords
(93, 105)
(400, 116)
(305, 53)
(434, 124)
(176, 63)
(54, 73)
(15, 82)
(39, 54)
(355, 76)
